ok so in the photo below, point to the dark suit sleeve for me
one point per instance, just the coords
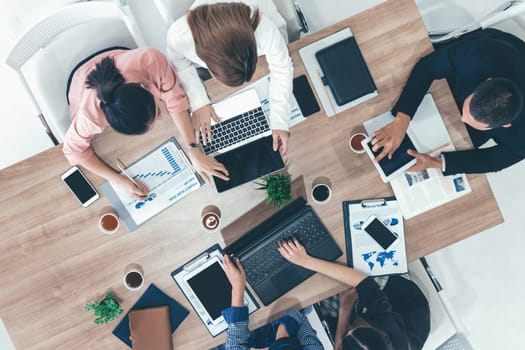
(477, 161)
(437, 65)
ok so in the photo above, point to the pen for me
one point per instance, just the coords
(325, 90)
(436, 150)
(122, 168)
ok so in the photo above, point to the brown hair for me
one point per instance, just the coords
(225, 40)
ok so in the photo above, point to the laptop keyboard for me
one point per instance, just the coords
(266, 260)
(235, 130)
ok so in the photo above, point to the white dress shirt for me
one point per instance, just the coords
(270, 43)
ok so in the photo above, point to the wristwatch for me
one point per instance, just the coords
(193, 146)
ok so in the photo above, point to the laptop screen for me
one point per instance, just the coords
(249, 162)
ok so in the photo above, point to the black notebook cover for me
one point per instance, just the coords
(152, 297)
(345, 71)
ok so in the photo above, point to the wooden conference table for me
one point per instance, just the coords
(54, 259)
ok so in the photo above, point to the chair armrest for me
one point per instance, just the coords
(301, 20)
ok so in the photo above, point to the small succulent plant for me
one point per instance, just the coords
(106, 310)
(278, 189)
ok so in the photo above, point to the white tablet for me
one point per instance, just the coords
(205, 284)
(390, 168)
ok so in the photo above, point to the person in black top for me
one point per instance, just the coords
(397, 317)
(486, 74)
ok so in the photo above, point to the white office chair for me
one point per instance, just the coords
(509, 10)
(289, 14)
(446, 328)
(46, 54)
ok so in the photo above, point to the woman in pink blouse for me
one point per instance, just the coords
(128, 90)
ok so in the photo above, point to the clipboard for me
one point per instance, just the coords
(362, 252)
(206, 286)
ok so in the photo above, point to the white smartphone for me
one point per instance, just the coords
(79, 185)
(380, 233)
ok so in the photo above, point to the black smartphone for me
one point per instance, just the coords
(380, 233)
(305, 96)
(79, 185)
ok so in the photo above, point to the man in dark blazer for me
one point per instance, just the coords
(486, 73)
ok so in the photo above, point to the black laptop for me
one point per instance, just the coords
(243, 141)
(267, 272)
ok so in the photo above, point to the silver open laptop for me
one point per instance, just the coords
(242, 141)
(242, 121)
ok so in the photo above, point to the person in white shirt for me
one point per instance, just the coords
(226, 37)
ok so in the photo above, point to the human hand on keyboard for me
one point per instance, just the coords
(237, 277)
(293, 251)
(208, 166)
(280, 141)
(201, 122)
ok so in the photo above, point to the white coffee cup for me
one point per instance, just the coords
(210, 218)
(321, 190)
(133, 277)
(109, 223)
(355, 142)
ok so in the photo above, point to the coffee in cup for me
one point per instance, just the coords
(355, 142)
(133, 277)
(210, 218)
(321, 190)
(109, 223)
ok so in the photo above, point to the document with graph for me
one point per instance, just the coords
(168, 174)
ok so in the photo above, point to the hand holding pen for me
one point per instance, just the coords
(136, 188)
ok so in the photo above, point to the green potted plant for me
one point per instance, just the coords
(278, 189)
(106, 310)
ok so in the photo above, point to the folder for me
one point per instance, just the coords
(152, 297)
(345, 71)
(150, 328)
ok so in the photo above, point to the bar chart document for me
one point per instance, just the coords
(168, 174)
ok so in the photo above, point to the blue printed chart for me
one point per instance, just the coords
(169, 176)
(379, 260)
(367, 255)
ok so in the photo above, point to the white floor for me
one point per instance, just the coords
(481, 275)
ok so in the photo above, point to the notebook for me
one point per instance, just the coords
(150, 328)
(345, 71)
(242, 141)
(267, 272)
(152, 297)
(318, 75)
